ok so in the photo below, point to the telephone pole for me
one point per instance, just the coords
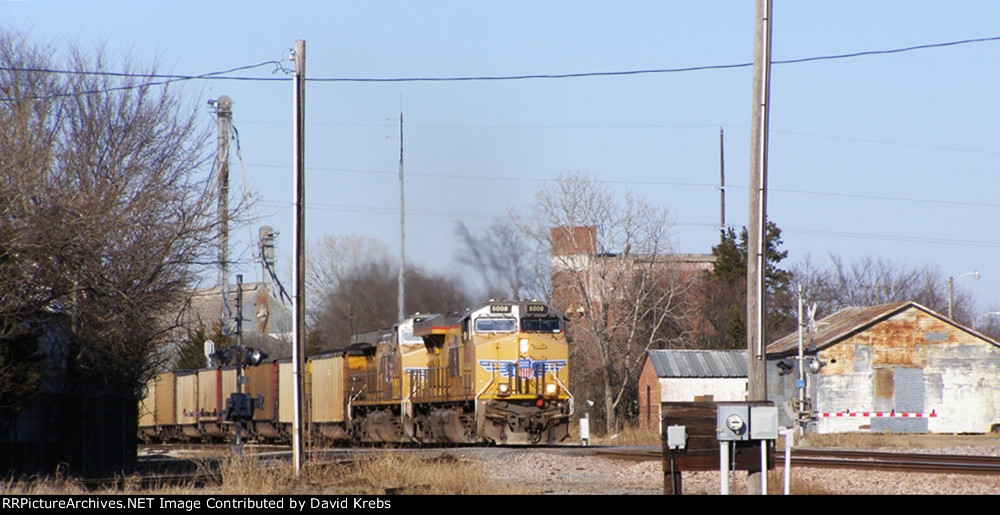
(722, 184)
(402, 230)
(298, 263)
(757, 230)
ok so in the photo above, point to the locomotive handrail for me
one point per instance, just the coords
(481, 392)
(563, 386)
(407, 427)
(350, 402)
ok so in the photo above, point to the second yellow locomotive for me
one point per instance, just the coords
(496, 374)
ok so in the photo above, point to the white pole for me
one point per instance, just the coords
(724, 467)
(789, 439)
(763, 467)
(802, 372)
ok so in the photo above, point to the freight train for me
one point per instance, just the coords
(498, 374)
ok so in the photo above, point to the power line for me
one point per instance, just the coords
(368, 209)
(166, 79)
(653, 183)
(884, 198)
(640, 126)
(891, 237)
(218, 75)
(658, 70)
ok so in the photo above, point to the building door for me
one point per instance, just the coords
(899, 393)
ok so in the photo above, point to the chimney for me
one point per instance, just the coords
(574, 240)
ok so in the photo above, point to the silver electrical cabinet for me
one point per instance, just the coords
(732, 422)
(742, 422)
(763, 423)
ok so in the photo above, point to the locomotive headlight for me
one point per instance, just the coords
(503, 389)
(551, 390)
(524, 345)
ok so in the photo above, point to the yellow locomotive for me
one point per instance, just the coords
(496, 374)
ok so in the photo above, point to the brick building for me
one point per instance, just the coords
(575, 258)
(689, 376)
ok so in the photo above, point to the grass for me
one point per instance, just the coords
(374, 474)
(411, 473)
(895, 441)
(629, 436)
(35, 485)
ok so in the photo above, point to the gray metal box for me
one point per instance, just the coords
(733, 422)
(763, 422)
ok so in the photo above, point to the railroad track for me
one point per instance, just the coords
(159, 469)
(842, 458)
(898, 461)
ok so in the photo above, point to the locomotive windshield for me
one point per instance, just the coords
(495, 325)
(408, 338)
(541, 325)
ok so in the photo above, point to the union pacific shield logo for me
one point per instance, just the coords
(525, 368)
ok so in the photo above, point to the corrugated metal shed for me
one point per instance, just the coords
(849, 321)
(699, 363)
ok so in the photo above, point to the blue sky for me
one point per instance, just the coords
(891, 155)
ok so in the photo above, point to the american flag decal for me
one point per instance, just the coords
(524, 368)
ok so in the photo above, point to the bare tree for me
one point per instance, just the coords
(108, 214)
(616, 277)
(356, 281)
(509, 263)
(869, 281)
(335, 258)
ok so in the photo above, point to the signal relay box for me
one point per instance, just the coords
(740, 422)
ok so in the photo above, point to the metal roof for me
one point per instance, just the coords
(837, 326)
(851, 320)
(699, 363)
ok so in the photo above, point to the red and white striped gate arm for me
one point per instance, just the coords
(876, 414)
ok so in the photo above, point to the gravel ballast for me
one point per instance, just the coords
(554, 473)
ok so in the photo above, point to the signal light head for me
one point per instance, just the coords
(222, 357)
(254, 357)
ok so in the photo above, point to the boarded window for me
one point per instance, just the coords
(884, 383)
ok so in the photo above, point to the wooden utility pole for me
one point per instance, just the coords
(402, 230)
(722, 185)
(757, 230)
(299, 263)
